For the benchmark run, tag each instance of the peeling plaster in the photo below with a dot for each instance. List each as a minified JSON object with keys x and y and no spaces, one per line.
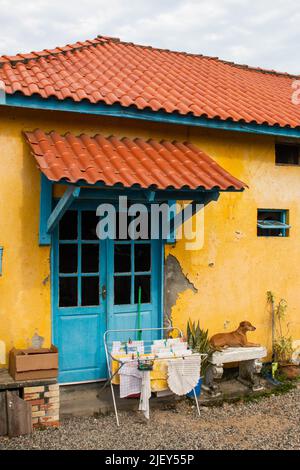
{"x":175,"y":283}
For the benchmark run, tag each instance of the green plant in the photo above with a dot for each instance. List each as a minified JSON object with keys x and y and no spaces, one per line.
{"x":283,"y":349}
{"x":198,"y":341}
{"x":282,"y":344}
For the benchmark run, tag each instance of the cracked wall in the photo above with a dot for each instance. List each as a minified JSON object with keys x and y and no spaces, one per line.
{"x":175,"y":283}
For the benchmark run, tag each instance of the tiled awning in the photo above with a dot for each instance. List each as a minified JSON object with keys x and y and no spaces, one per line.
{"x":127,"y":162}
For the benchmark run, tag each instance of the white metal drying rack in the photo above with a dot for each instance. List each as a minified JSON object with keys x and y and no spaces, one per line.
{"x":110,"y":358}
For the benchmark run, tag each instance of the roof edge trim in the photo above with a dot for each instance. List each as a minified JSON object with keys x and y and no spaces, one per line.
{"x":116,"y":110}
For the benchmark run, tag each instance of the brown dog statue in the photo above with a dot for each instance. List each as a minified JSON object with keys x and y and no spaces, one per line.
{"x":234,"y":339}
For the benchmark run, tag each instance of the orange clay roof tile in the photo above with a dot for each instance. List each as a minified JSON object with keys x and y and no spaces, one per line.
{"x":126,"y":161}
{"x":110,"y":71}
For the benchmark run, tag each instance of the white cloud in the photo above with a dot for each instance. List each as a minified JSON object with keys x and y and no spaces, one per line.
{"x":262,"y":33}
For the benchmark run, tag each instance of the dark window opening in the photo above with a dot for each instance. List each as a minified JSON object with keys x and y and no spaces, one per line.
{"x":68,"y":258}
{"x":89,"y":222}
{"x":122,"y":290}
{"x":142,"y":257}
{"x":287,"y":154}
{"x":143,"y":282}
{"x":272,"y":223}
{"x":122,"y":260}
{"x":90,"y":258}
{"x":67,"y":291}
{"x":122,"y":218}
{"x":68,"y":226}
{"x":133,"y":230}
{"x":90,"y":291}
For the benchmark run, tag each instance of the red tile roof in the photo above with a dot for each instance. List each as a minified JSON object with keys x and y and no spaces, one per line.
{"x":110,"y":71}
{"x":128,"y":162}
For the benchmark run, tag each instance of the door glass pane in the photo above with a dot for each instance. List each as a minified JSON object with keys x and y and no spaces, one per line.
{"x":122,"y":258}
{"x":145,"y":283}
{"x":90,"y":291}
{"x":140,"y":228}
{"x":90,"y":258}
{"x":67,"y":291}
{"x":89,"y":222}
{"x":142,"y":257}
{"x":68,"y":226}
{"x":68,"y":258}
{"x":122,"y":290}
{"x":122,"y":235}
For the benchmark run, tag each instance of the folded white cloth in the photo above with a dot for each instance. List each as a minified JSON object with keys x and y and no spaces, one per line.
{"x":183,"y":374}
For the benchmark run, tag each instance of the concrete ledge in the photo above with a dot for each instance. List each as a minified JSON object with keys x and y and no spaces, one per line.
{"x":8,"y":383}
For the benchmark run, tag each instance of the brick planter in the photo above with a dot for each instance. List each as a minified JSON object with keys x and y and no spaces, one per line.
{"x":44,"y":401}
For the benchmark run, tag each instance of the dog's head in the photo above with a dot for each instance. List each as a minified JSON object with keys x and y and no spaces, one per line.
{"x":246,"y":326}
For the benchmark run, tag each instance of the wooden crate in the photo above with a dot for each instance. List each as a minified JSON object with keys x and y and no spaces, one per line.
{"x":28,"y":364}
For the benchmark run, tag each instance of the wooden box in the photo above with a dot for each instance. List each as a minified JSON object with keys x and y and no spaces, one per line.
{"x":28,"y":364}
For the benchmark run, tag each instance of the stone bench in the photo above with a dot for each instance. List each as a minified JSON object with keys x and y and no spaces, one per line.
{"x":250,"y":365}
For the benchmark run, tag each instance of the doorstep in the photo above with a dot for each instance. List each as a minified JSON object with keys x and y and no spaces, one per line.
{"x":89,"y":400}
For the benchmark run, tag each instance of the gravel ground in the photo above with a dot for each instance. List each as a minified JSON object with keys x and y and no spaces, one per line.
{"x":270,"y":423}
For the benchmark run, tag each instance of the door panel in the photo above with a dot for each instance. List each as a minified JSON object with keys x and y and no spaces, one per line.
{"x":79,"y":310}
{"x":133,"y":264}
{"x":79,"y":343}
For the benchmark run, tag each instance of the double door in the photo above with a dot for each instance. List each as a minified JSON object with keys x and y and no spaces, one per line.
{"x":95,"y":287}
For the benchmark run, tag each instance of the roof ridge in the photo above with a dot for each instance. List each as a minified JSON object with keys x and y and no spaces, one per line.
{"x":204,"y":56}
{"x":44,"y":53}
{"x":79,"y":45}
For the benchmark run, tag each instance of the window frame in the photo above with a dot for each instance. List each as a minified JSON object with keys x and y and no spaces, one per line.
{"x":79,"y":275}
{"x":287,"y":144}
{"x":284,"y":221}
{"x":133,"y":274}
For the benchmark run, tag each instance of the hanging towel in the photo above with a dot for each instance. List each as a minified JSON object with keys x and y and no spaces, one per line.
{"x":183,"y":374}
{"x":130,"y":379}
{"x":145,"y":394}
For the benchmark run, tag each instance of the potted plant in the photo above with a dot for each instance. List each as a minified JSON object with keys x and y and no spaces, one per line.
{"x":198,"y":342}
{"x":282,"y":343}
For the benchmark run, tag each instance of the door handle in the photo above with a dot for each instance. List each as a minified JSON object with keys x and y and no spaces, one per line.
{"x":104,"y":292}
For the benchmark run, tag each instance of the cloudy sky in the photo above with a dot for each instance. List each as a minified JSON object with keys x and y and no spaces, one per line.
{"x":263,"y":33}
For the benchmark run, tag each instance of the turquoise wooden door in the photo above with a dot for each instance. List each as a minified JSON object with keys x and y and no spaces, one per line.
{"x":79,"y":308}
{"x":95,"y":287}
{"x":133,"y":265}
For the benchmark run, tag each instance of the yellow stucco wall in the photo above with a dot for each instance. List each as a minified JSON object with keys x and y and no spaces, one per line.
{"x":235,"y":268}
{"x":231,"y":273}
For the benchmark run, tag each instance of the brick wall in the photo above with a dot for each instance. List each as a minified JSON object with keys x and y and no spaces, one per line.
{"x":44,"y":401}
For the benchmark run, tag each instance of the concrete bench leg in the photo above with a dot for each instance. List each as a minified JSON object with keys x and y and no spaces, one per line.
{"x":248,"y":371}
{"x":213,"y":372}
